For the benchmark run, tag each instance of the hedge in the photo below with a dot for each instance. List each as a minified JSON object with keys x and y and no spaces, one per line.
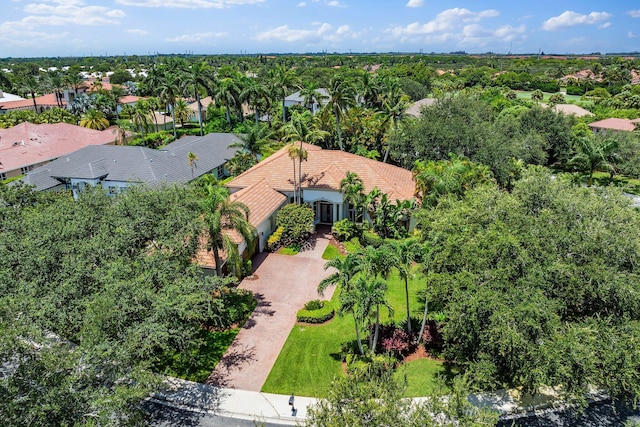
{"x":320,"y":315}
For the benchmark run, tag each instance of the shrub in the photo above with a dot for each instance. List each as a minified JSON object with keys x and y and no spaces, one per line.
{"x":296,"y":222}
{"x":394,"y":340}
{"x":432,"y":337}
{"x":370,"y":238}
{"x":345,"y":229}
{"x":274,"y":241}
{"x":316,"y":316}
{"x":315,"y":304}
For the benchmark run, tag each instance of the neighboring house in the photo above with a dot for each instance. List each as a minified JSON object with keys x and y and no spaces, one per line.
{"x":321,"y":176}
{"x":26,"y":146}
{"x":9,"y":97}
{"x":204,"y":103}
{"x":614,"y":125}
{"x":572,"y":109}
{"x":118,"y":167}
{"x":297,"y":99}
{"x":415,"y":109}
{"x":43,"y":103}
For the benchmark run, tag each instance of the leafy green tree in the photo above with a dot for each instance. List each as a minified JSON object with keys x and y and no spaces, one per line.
{"x":372,"y":397}
{"x":594,"y":154}
{"x":537,"y":95}
{"x":296,"y":222}
{"x":256,"y":141}
{"x":284,"y":79}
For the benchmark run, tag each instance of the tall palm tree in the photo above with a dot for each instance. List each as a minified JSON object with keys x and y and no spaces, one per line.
{"x":341,"y":96}
{"x":168,"y":89}
{"x":405,"y":253}
{"x":154,"y":104}
{"x":254,"y":93}
{"x":284,"y":79}
{"x":394,"y":107}
{"x":195,"y":78}
{"x":29,"y":85}
{"x":302,"y":128}
{"x":296,"y":154}
{"x":227,"y":94}
{"x":73,"y":81}
{"x":223,"y":216}
{"x":94,"y":119}
{"x":365,"y":299}
{"x":140,"y":117}
{"x":255,"y":141}
{"x":352,"y":189}
{"x":181,"y":111}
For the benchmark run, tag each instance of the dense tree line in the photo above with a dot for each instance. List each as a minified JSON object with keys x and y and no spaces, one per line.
{"x":94,"y":294}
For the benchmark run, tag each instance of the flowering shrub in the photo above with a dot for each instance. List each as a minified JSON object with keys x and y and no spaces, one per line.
{"x":394,"y":340}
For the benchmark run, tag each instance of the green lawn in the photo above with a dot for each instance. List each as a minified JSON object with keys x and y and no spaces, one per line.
{"x":527,"y":95}
{"x":310,"y":358}
{"x":424,"y":376}
{"x":630,"y":185}
{"x":330,"y":252}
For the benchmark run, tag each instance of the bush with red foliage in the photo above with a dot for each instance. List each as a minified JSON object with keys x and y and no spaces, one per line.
{"x":394,"y":340}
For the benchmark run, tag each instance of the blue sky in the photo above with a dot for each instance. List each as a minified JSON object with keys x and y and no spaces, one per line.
{"x":31,"y":28}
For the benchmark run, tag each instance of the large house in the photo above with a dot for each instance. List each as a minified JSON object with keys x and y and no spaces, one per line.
{"x":321,"y":175}
{"x":614,"y":125}
{"x":38,"y":104}
{"x":297,"y":99}
{"x":118,"y":167}
{"x":27,"y":146}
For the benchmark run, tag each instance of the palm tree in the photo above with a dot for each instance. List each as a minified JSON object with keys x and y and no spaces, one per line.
{"x":121,"y":133}
{"x":405,"y":253}
{"x":346,"y":269}
{"x":258,"y":138}
{"x":140,"y":117}
{"x":284,"y":79}
{"x":298,"y":154}
{"x":394,"y":107}
{"x":311,"y":96}
{"x":227,"y":94}
{"x":365,"y":299}
{"x":192,"y":158}
{"x":594,"y":155}
{"x":154,"y":104}
{"x":73,"y":81}
{"x":94,"y":119}
{"x":352,"y":189}
{"x":302,"y":128}
{"x":181,"y":111}
{"x":223,"y":216}
{"x":198,"y":76}
{"x":168,"y":87}
{"x":341,"y":96}
{"x":537,"y":95}
{"x":29,"y":85}
{"x":254,"y":93}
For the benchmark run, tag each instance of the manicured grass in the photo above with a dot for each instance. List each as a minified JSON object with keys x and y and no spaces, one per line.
{"x":425,"y":376}
{"x":310,"y":358}
{"x":199,"y":363}
{"x":330,"y":252}
{"x":527,"y":95}
{"x":630,"y":185}
{"x":289,"y":250}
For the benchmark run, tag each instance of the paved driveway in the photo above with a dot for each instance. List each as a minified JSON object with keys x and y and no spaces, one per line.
{"x":283,"y":285}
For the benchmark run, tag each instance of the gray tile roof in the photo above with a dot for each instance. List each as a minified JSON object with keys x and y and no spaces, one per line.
{"x":296,"y":97}
{"x":138,"y":164}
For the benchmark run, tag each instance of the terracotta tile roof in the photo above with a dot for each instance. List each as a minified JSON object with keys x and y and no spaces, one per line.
{"x":48,"y":100}
{"x":129,"y":99}
{"x":324,"y":169}
{"x":261,"y":200}
{"x":27,"y":143}
{"x":615,"y":124}
{"x":572,"y":109}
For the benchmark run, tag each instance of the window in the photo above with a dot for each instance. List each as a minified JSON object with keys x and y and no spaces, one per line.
{"x":220,"y":171}
{"x":2,"y":176}
{"x":113,"y":190}
{"x":25,"y":169}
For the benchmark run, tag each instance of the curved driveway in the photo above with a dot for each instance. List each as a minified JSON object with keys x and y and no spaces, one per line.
{"x":284,"y":283}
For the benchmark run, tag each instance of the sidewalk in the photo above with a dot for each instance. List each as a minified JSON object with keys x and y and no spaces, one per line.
{"x":275,"y":409}
{"x":232,"y":403}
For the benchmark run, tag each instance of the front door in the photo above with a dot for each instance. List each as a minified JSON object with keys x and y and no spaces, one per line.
{"x":326,"y":213}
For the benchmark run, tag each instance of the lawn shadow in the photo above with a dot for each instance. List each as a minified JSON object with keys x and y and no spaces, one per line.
{"x":233,"y":359}
{"x":262,"y":307}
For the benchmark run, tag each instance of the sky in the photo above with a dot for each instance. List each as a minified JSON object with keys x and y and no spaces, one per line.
{"x":34,"y":28}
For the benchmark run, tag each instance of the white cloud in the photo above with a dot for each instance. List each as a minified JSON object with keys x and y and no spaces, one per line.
{"x":447,"y":20}
{"x":415,"y":3}
{"x":334,"y":3}
{"x":188,"y":4}
{"x":194,"y":38}
{"x":323,"y":32}
{"x":569,"y":19}
{"x":302,"y":4}
{"x":605,"y":25}
{"x":138,"y":31}
{"x":476,"y":35}
{"x":634,"y":13}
